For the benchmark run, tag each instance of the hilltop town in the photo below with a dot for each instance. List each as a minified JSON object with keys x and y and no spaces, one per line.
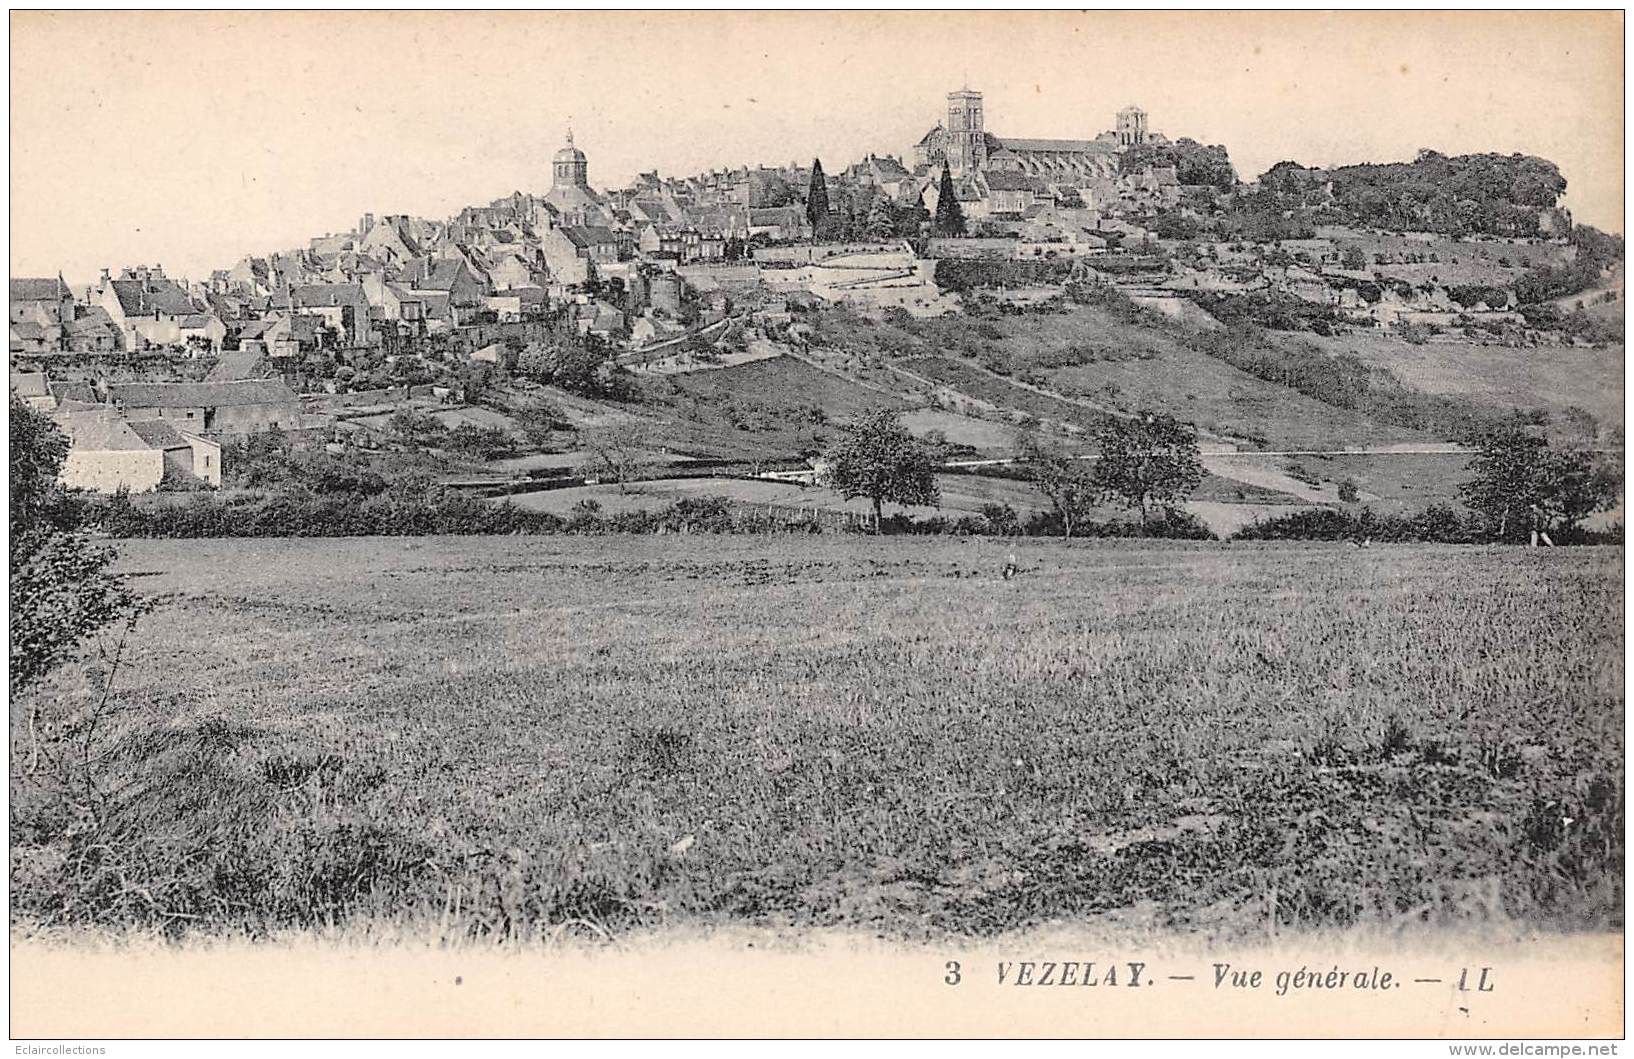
{"x":977,"y":282}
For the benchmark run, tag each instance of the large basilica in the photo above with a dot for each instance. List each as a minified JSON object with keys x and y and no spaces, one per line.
{"x":970,"y":151}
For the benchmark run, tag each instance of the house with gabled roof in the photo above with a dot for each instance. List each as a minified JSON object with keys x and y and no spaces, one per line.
{"x":105,"y":455}
{"x":390,"y":239}
{"x":47,"y":299}
{"x":343,"y":308}
{"x":92,"y":331}
{"x":46,"y":304}
{"x":184,"y":453}
{"x":568,"y":254}
{"x":600,"y":319}
{"x":212,"y":408}
{"x":32,"y":338}
{"x":33,"y":389}
{"x":518,"y":303}
{"x":512,"y":270}
{"x":1011,"y":191}
{"x":780,"y":223}
{"x":250,"y":275}
{"x":451,"y":276}
{"x":391,"y":302}
{"x":239,"y":364}
{"x":150,"y":309}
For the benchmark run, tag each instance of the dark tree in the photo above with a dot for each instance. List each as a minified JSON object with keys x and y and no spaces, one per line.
{"x":817,"y":201}
{"x":877,"y":458}
{"x":61,"y":590}
{"x":1150,"y":459}
{"x":476,"y":379}
{"x":539,"y":420}
{"x":880,"y":222}
{"x":1510,"y":475}
{"x":1580,"y":484}
{"x":1067,"y":483}
{"x":1515,"y":470}
{"x":950,"y":219}
{"x":621,"y":451}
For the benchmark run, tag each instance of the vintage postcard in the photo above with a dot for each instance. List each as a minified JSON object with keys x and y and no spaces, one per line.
{"x":817,"y":524}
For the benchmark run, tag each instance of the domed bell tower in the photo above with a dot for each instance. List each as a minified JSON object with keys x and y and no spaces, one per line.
{"x":570,"y":169}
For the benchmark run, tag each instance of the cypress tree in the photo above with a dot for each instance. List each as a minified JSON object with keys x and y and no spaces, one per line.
{"x":950,"y":219}
{"x":817,"y":200}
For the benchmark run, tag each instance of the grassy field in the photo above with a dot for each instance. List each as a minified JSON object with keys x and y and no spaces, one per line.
{"x":783,"y":384}
{"x":1552,"y":378}
{"x":498,"y":737}
{"x":1459,"y":261}
{"x":1225,"y":504}
{"x":961,"y":495}
{"x":1087,"y":352}
{"x":1217,"y":397}
{"x":1398,"y":483}
{"x":983,"y":435}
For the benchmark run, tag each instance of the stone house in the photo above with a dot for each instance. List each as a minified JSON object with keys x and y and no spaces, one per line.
{"x":518,"y":303}
{"x":449,"y":276}
{"x":148,"y":308}
{"x":47,"y":306}
{"x":33,"y":389}
{"x":105,"y":454}
{"x":343,"y":308}
{"x":250,"y":406}
{"x":186,"y":453}
{"x":93,"y":331}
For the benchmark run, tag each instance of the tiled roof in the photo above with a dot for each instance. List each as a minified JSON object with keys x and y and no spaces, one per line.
{"x":201,"y":394}
{"x":159,"y":434}
{"x":1069,"y":146}
{"x":97,"y":319}
{"x":76,"y":391}
{"x":236,"y":365}
{"x":584,"y":235}
{"x":777,"y":215}
{"x":99,"y":431}
{"x":435,"y":274}
{"x":141,"y":298}
{"x":307,"y":295}
{"x":250,"y":329}
{"x":38,"y":290}
{"x":1005,"y":180}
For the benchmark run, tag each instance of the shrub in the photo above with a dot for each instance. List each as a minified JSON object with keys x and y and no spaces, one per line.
{"x":1436,"y":524}
{"x":62,"y":591}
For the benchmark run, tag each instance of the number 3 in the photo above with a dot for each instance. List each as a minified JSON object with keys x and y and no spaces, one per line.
{"x":952,"y":976}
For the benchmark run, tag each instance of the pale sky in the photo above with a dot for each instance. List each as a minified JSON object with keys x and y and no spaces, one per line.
{"x":191,"y":139}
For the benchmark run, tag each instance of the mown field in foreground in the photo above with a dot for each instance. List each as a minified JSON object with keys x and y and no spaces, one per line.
{"x":500,"y":737}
